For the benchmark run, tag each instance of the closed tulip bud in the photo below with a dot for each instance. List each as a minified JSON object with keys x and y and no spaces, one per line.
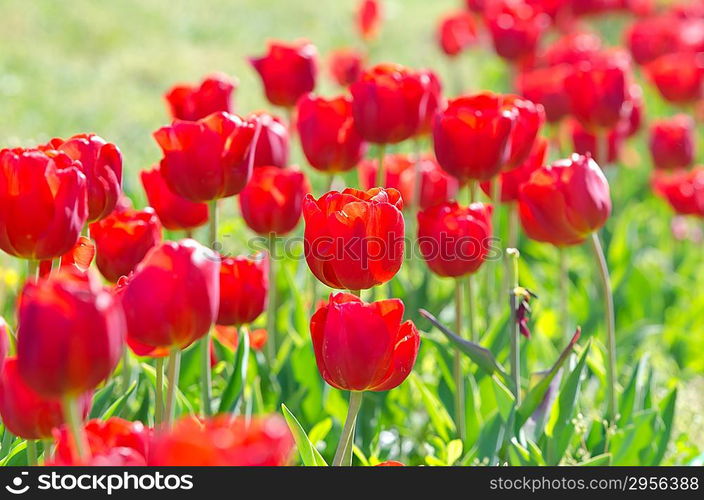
{"x":546,"y":86}
{"x":363,"y":346}
{"x":678,"y":76}
{"x":672,"y":142}
{"x":272,"y":201}
{"x":70,"y":335}
{"x":683,"y":190}
{"x":572,"y":49}
{"x":472,"y":135}
{"x":515,"y":28}
{"x":206,"y":160}
{"x":346,"y":66}
{"x":328,"y":136}
{"x":193,"y":102}
{"x":43,"y":206}
{"x":529,"y":118}
{"x":512,"y":180}
{"x":287,"y":71}
{"x":649,"y":38}
{"x":123,"y":239}
{"x":224,"y":440}
{"x":354,"y":239}
{"x":272,"y":147}
{"x":565,"y":202}
{"x":172,"y":298}
{"x":26,"y":413}
{"x":174,"y":211}
{"x":635,"y":117}
{"x":368,"y":19}
{"x":454,"y":240}
{"x":244,"y":285}
{"x":456,"y":32}
{"x":585,"y":141}
{"x":79,"y":257}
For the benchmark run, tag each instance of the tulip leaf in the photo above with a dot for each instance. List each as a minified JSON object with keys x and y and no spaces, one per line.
{"x":310,"y":455}
{"x":597,"y":461}
{"x":667,"y":415}
{"x":101,"y":399}
{"x":632,"y":393}
{"x":117,"y":405}
{"x":439,"y":418}
{"x":505,"y":400}
{"x":238,"y":378}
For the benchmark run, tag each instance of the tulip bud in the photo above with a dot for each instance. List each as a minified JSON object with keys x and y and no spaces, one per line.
{"x":649,"y":38}
{"x":572,"y":49}
{"x":456,"y":32}
{"x":368,"y":19}
{"x":515,"y":28}
{"x":346,"y":66}
{"x":175,"y":212}
{"x":672,"y":142}
{"x":272,"y":147}
{"x":679,"y":76}
{"x":585,"y":141}
{"x":512,"y":180}
{"x":684,"y":191}
{"x":546,"y":86}
{"x":529,"y":118}
{"x":244,"y":284}
{"x":194,"y":102}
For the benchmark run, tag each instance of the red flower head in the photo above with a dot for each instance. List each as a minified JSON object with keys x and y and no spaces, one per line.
{"x":649,"y":38}
{"x":391,"y":103}
{"x":363,"y":346}
{"x":476,"y":6}
{"x":472,"y":136}
{"x":25,"y":412}
{"x":329,"y":138}
{"x":206,"y":160}
{"x":224,"y":440}
{"x":229,"y":336}
{"x":244,"y":284}
{"x":400,"y":171}
{"x":530,"y":117}
{"x":175,"y":212}
{"x":70,"y":335}
{"x":546,"y":86}
{"x":584,"y":141}
{"x":390,"y":463}
{"x":346,"y":66}
{"x":172,"y":298}
{"x":354,"y":239}
{"x":516,"y":28}
{"x":287,"y":71}
{"x":123,"y":239}
{"x":512,"y":180}
{"x":368,"y":19}
{"x":43,"y":205}
{"x":454,"y":240}
{"x":193,"y":102}
{"x":635,"y":117}
{"x":272,"y":144}
{"x":456,"y":32}
{"x":100,"y":162}
{"x":672,"y":142}
{"x":683,"y":190}
{"x":565,"y":202}
{"x":678,"y":76}
{"x":80,"y":257}
{"x":273,"y":199}
{"x":572,"y":48}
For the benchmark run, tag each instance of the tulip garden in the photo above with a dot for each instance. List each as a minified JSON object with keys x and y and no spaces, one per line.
{"x":352,"y":233}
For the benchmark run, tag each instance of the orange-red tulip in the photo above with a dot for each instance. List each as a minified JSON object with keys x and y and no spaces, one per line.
{"x":368,"y":18}
{"x":175,"y":212}
{"x":80,"y":257}
{"x":683,"y":190}
{"x":672,"y":142}
{"x":193,"y":102}
{"x":678,"y":76}
{"x":244,"y":285}
{"x":546,"y":86}
{"x":456,"y":32}
{"x":512,"y":180}
{"x":346,"y":65}
{"x":515,"y":28}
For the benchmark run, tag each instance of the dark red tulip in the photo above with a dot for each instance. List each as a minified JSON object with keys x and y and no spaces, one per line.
{"x":43,"y":205}
{"x":472,"y":135}
{"x":272,"y":144}
{"x":80,"y":257}
{"x":363,"y":346}
{"x":172,"y":298}
{"x":672,"y":142}
{"x":193,"y":102}
{"x":565,"y":202}
{"x":288,"y":70}
{"x":346,"y":65}
{"x":25,"y":412}
{"x":511,"y":180}
{"x":546,"y":86}
{"x":649,"y":38}
{"x":572,"y":48}
{"x":456,"y":32}
{"x":476,"y":6}
{"x":400,"y":173}
{"x":328,"y":136}
{"x":175,"y":212}
{"x":224,"y":440}
{"x":273,"y":200}
{"x":585,"y":141}
{"x":354,"y":239}
{"x":515,"y":28}
{"x":635,"y":117}
{"x":678,"y":76}
{"x":368,"y":19}
{"x":244,"y":285}
{"x":70,"y":335}
{"x":683,"y":190}
{"x":123,"y":239}
{"x":206,"y":160}
{"x":529,"y":118}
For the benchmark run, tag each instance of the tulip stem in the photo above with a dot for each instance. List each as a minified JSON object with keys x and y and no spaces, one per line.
{"x":471,"y":309}
{"x":73,"y":420}
{"x":609,"y":317}
{"x":206,"y":378}
{"x":31,"y":452}
{"x":32,"y":269}
{"x":343,"y":454}
{"x":513,"y":223}
{"x":512,"y":255}
{"x":159,"y":411}
{"x":172,"y":375}
{"x":459,"y":379}
{"x":380,"y":177}
{"x":271,"y":306}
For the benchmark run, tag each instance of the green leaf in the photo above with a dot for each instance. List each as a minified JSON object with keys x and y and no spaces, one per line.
{"x":320,"y":431}
{"x":597,"y":461}
{"x":490,"y":439}
{"x":454,"y":451}
{"x":310,"y":455}
{"x":238,"y":377}
{"x":631,"y":444}
{"x":505,"y":399}
{"x":472,"y":411}
{"x":632,"y":392}
{"x":101,"y":400}
{"x":667,"y":415}
{"x":117,"y":405}
{"x":439,"y":418}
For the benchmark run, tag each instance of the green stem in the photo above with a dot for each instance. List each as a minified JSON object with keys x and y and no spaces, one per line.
{"x":206,"y":378}
{"x":172,"y":375}
{"x":159,"y":411}
{"x":513,"y":224}
{"x":380,"y":177}
{"x":31,"y":452}
{"x":471,"y":308}
{"x":271,"y":306}
{"x":515,"y":352}
{"x":126,"y":371}
{"x":73,"y":420}
{"x":358,"y":293}
{"x":459,"y":378}
{"x":609,"y":318}
{"x":343,"y":454}
{"x":564,"y":292}
{"x":32,"y":269}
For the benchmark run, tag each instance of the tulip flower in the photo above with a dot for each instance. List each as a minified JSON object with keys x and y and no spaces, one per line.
{"x":224,"y":440}
{"x":229,"y":336}
{"x":683,"y":190}
{"x":244,"y":284}
{"x":175,"y":212}
{"x":472,"y":136}
{"x":649,"y":38}
{"x":287,"y":71}
{"x":354,"y":239}
{"x":515,"y":28}
{"x":123,"y":239}
{"x":80,"y":257}
{"x":43,"y":205}
{"x":194,"y":102}
{"x":206,"y":160}
{"x":672,"y":142}
{"x":329,"y":139}
{"x":368,"y":19}
{"x":346,"y":66}
{"x":512,"y":180}
{"x":476,"y":6}
{"x":456,"y":32}
{"x":584,"y":141}
{"x":529,"y":118}
{"x":545,"y":86}
{"x":635,"y":117}
{"x":272,"y":201}
{"x":390,"y":463}
{"x":678,"y":76}
{"x":271,"y":148}
{"x":572,"y":49}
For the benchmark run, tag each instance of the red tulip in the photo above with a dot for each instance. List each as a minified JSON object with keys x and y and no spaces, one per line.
{"x":647,"y":39}
{"x":683,"y":190}
{"x":43,"y":205}
{"x":512,"y":180}
{"x":70,"y":335}
{"x":272,"y":201}
{"x":206,"y":160}
{"x":454,"y":240}
{"x":572,"y":49}
{"x":175,"y":212}
{"x":400,"y":173}
{"x":565,"y":202}
{"x":363,"y":346}
{"x":368,"y":18}
{"x":224,"y":440}
{"x":272,"y":147}
{"x":529,"y":118}
{"x":80,"y":257}
{"x":672,"y":142}
{"x":456,"y":32}
{"x":678,"y":76}
{"x":172,"y":298}
{"x":472,"y":136}
{"x":25,"y":412}
{"x":635,"y":117}
{"x":354,"y":239}
{"x":515,"y":28}
{"x":244,"y":284}
{"x":584,"y":141}
{"x":546,"y":86}
{"x":329,"y":139}
{"x":193,"y":102}
{"x":390,"y":463}
{"x":287,"y":71}
{"x":476,"y":6}
{"x":346,"y":66}
{"x":123,"y":239}
{"x":228,"y":336}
